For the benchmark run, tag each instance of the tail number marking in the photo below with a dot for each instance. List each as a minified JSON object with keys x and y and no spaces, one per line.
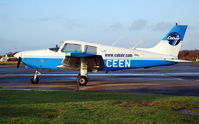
{"x":118,"y":63}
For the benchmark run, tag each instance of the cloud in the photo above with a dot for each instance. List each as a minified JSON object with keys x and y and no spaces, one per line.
{"x":51,"y":18}
{"x":44,"y":19}
{"x":65,"y":22}
{"x":4,"y":17}
{"x":2,"y":3}
{"x":193,"y":27}
{"x":72,"y":24}
{"x":116,"y":26}
{"x":9,"y":45}
{"x":138,"y":25}
{"x":162,"y":26}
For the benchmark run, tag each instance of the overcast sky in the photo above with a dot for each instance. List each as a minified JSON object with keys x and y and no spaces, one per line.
{"x":38,"y":24}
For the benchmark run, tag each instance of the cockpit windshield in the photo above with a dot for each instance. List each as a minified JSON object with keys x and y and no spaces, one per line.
{"x":56,"y":48}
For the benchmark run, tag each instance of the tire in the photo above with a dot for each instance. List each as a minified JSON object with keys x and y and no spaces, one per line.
{"x":82,"y":80}
{"x":36,"y":81}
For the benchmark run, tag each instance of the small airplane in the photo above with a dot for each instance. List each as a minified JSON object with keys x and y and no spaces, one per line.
{"x":89,"y":57}
{"x":6,"y":58}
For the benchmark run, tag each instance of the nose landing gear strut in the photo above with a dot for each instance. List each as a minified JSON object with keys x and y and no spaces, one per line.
{"x":35,"y":78}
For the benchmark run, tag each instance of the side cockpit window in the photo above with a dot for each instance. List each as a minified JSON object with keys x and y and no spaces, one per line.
{"x":90,"y":49}
{"x":71,"y":48}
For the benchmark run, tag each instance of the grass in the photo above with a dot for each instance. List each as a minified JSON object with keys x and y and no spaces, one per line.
{"x":90,"y":108}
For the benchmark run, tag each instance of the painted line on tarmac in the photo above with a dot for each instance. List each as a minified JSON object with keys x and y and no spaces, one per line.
{"x":108,"y":75}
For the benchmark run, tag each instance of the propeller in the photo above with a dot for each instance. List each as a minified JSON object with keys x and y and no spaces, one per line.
{"x":19,"y":61}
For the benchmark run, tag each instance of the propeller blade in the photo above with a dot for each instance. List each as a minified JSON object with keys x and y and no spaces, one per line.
{"x":19,"y":61}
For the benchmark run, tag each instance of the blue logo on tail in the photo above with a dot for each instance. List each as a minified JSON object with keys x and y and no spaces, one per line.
{"x":174,"y":38}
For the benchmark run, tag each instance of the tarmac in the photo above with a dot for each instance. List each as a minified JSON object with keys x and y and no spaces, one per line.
{"x":181,"y":79}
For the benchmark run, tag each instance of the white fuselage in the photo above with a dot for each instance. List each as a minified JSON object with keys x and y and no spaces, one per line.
{"x":115,"y":58}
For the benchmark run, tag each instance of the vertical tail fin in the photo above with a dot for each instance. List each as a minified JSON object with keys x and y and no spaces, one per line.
{"x":175,"y":35}
{"x":171,"y":43}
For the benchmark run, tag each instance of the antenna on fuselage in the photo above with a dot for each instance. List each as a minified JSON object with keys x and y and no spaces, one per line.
{"x":116,"y":41}
{"x":136,"y":44}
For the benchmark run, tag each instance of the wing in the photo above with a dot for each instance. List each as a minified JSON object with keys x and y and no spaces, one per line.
{"x":73,"y":61}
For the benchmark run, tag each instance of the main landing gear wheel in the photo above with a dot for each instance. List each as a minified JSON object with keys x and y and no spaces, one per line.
{"x":35,"y":80}
{"x":82,"y":80}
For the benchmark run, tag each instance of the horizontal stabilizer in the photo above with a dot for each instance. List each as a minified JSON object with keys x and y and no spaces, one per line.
{"x":180,"y":61}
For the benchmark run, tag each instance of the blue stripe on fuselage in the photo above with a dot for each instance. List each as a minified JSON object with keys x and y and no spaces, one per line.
{"x":109,"y":64}
{"x":132,"y":64}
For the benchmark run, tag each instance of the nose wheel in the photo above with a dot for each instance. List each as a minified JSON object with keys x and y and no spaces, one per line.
{"x":35,"y":78}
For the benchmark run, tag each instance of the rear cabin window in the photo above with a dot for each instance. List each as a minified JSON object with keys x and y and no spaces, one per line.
{"x":71,"y":48}
{"x":90,"y":49}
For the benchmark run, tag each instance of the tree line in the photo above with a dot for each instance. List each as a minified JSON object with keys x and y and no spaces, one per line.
{"x":189,"y":54}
